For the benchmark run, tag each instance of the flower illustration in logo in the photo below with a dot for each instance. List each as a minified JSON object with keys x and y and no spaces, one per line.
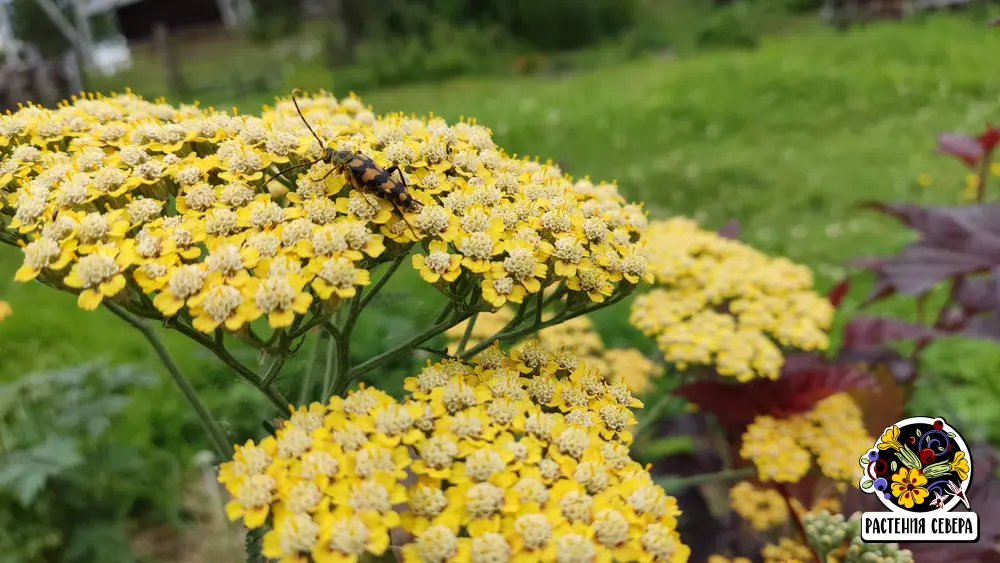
{"x":918,"y":465}
{"x":908,"y":487}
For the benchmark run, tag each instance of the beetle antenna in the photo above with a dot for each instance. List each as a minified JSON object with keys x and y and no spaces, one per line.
{"x":304,"y":120}
{"x":403,"y":217}
{"x":290,"y":168}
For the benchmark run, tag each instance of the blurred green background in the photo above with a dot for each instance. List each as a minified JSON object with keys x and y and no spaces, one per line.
{"x":754,"y":110}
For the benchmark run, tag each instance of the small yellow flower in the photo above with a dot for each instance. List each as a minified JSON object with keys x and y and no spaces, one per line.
{"x":338,"y":276}
{"x":346,"y":537}
{"x":908,"y":487}
{"x":438,"y":264}
{"x":890,"y":439}
{"x":498,"y":291}
{"x":218,"y":305}
{"x":959,"y":464}
{"x":99,"y":275}
{"x":5,"y":310}
{"x":280,"y":298}
{"x":763,"y":508}
{"x":253,"y":500}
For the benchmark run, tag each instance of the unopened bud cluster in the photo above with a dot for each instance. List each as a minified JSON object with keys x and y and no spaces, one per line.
{"x":861,"y":552}
{"x":826,"y":531}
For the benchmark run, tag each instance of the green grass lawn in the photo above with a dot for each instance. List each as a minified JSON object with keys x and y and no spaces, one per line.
{"x":788,"y":139}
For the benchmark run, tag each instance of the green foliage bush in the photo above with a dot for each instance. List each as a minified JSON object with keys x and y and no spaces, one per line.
{"x":275,"y":19}
{"x":444,"y":51}
{"x":65,"y":488}
{"x":732,"y":26}
{"x":555,"y":25}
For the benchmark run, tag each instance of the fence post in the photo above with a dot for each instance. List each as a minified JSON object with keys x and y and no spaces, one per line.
{"x":171,"y":64}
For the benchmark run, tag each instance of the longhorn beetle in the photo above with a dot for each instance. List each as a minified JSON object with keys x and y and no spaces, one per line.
{"x":361,"y":172}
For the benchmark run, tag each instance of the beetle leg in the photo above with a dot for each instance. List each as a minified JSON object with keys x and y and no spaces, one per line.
{"x":394,"y":168}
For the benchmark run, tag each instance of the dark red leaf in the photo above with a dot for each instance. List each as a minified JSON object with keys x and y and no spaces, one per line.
{"x":802,"y":384}
{"x":881,"y":406}
{"x":730,"y":230}
{"x":931,"y":222}
{"x":986,"y":327}
{"x":954,"y":241}
{"x":867,"y":332}
{"x":995,"y":22}
{"x":965,"y":148}
{"x":980,"y":294}
{"x":988,"y":139}
{"x":919,"y":268}
{"x":899,"y":366}
{"x":839,"y":291}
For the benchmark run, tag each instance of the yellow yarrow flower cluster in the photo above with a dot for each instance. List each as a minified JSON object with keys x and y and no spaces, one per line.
{"x":5,"y":310}
{"x":833,"y":431}
{"x":516,"y":457}
{"x":723,"y":559}
{"x":721,"y":303}
{"x":577,"y":337}
{"x":763,"y":508}
{"x":787,"y":550}
{"x":117,"y":197}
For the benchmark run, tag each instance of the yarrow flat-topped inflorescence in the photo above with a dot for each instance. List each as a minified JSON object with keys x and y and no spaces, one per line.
{"x":782,"y":448}
{"x":507,"y":458}
{"x":723,"y":304}
{"x":119,"y":198}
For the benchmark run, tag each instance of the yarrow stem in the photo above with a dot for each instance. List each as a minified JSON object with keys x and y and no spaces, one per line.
{"x":330,"y":371}
{"x":465,"y":336}
{"x":799,"y":526}
{"x":218,"y":437}
{"x":273,"y":370}
{"x":676,"y":484}
{"x":393,"y":266}
{"x":409,"y":345}
{"x":652,"y":414}
{"x":512,"y":332}
{"x":314,"y":357}
{"x":218,"y":347}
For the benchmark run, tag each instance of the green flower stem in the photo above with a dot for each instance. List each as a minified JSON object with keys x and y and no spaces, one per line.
{"x":222,"y":446}
{"x":511,"y":332}
{"x":799,"y":526}
{"x":652,"y":414}
{"x":556,"y":295}
{"x":466,"y":335}
{"x":342,"y":379}
{"x":389,"y":355}
{"x":217,"y":346}
{"x":539,"y":306}
{"x":273,"y":370}
{"x":314,"y":356}
{"x":445,"y":312}
{"x":315,"y":321}
{"x":331,"y":372}
{"x":393,"y":266}
{"x":219,"y":349}
{"x":677,"y":484}
{"x":522,"y":309}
